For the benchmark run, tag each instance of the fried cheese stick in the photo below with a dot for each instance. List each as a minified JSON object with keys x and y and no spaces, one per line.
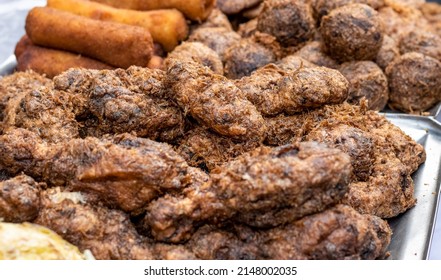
{"x":52,"y":62}
{"x":117,"y":44}
{"x":167,"y":27}
{"x":193,"y":9}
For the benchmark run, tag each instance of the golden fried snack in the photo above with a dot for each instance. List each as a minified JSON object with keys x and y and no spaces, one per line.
{"x":193,"y":9}
{"x":117,"y":44}
{"x":388,"y":52}
{"x":231,"y":7}
{"x":422,"y":41}
{"x":22,"y":45}
{"x":167,"y":27}
{"x":313,"y":52}
{"x":52,"y":62}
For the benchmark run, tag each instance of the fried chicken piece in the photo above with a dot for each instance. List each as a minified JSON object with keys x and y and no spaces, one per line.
{"x":266,"y":187}
{"x":388,"y":52}
{"x":366,"y":80}
{"x":121,"y":101}
{"x":218,"y":39}
{"x":352,"y":32}
{"x":124,"y":171}
{"x":339,"y":232}
{"x":358,"y":144}
{"x":312,"y":52}
{"x":246,"y":56}
{"x":108,"y":234}
{"x":204,"y":149}
{"x":421,"y":41}
{"x":387,"y":193}
{"x":274,"y":91}
{"x":414,"y":82}
{"x":291,"y":22}
{"x":199,"y":53}
{"x":15,"y":86}
{"x":214,"y":101}
{"x":19,"y":199}
{"x":231,"y":7}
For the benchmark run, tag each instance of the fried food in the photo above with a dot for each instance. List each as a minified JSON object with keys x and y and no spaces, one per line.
{"x":218,"y":39}
{"x":266,"y":187}
{"x":231,"y":7}
{"x":22,"y":45}
{"x":339,"y":232}
{"x":216,"y":19}
{"x":197,"y":10}
{"x":120,"y":101}
{"x":117,"y":44}
{"x":199,"y":53}
{"x":33,"y":242}
{"x":414,"y":82}
{"x":366,"y":80}
{"x":293,"y":62}
{"x":207,"y":150}
{"x":244,"y":57}
{"x":421,"y":41}
{"x":291,"y":22}
{"x":108,"y":234}
{"x":214,"y":101}
{"x":313,"y":53}
{"x":167,"y":27}
{"x":388,"y":52}
{"x":52,"y":62}
{"x":352,"y":32}
{"x":274,"y":91}
{"x":124,"y":171}
{"x":19,"y":199}
{"x":323,"y":7}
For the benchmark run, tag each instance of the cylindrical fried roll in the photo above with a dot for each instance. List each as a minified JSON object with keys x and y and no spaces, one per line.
{"x":117,"y":44}
{"x":193,"y":9}
{"x":53,"y":62}
{"x":22,"y":45}
{"x":167,"y":27}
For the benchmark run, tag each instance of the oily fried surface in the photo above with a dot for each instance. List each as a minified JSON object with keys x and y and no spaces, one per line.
{"x":122,"y":101}
{"x":19,"y":199}
{"x":124,"y":171}
{"x":366,"y":80}
{"x":339,"y":232}
{"x":214,"y":101}
{"x":274,"y":91}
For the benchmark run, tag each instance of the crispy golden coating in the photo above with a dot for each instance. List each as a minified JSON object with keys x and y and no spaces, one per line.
{"x":217,"y":38}
{"x":231,"y":7}
{"x":52,"y":62}
{"x":313,"y":52}
{"x":421,"y":41}
{"x":197,"y":10}
{"x":207,"y":150}
{"x":323,"y":7}
{"x":414,"y":82}
{"x":366,"y":80}
{"x":167,"y":27}
{"x":124,"y":171}
{"x":108,"y":234}
{"x":388,"y":52}
{"x":264,"y":188}
{"x":291,"y":22}
{"x":352,"y":32}
{"x":214,"y":101}
{"x":274,"y":91}
{"x":199,"y":53}
{"x":339,"y":232}
{"x":128,"y":45}
{"x":120,"y":101}
{"x":19,"y":199}
{"x":246,"y":56}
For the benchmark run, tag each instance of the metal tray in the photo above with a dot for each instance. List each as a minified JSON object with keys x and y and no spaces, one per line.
{"x":413,"y":231}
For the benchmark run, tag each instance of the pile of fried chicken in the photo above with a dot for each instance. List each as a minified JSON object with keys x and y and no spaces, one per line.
{"x":186,"y":163}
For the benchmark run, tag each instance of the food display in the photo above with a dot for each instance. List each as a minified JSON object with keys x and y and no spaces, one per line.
{"x":214,"y":130}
